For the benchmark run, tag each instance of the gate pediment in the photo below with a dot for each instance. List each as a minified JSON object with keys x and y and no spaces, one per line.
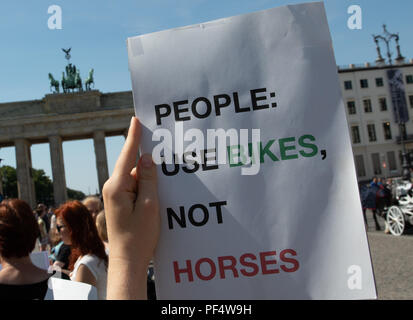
{"x":71,"y":116}
{"x":75,"y":102}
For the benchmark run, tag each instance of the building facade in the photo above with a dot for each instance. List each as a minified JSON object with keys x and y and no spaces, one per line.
{"x":374,"y":132}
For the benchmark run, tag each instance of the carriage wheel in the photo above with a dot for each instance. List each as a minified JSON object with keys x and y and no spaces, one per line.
{"x":395,"y":220}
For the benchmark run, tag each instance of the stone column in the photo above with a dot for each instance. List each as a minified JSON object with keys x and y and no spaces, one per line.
{"x":25,"y":183}
{"x":58,"y":170}
{"x":101,"y":158}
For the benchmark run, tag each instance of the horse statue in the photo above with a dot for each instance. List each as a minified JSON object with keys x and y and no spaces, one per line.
{"x":72,"y":79}
{"x":63,"y":82}
{"x":89,"y":81}
{"x":78,"y":81}
{"x":53,"y":83}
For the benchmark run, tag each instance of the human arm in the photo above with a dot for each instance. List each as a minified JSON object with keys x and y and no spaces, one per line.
{"x":61,"y":258}
{"x":133,"y":221}
{"x":58,"y":266}
{"x":84,"y":275}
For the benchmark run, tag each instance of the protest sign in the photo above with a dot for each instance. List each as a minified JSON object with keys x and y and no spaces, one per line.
{"x":40,"y":259}
{"x":60,"y":289}
{"x":257,"y":184}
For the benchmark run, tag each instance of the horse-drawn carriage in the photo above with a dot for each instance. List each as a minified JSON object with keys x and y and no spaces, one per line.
{"x":394,"y":205}
{"x":399,"y":216}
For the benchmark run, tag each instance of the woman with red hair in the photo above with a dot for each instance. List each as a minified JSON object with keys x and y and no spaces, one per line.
{"x":88,"y":260}
{"x":19,"y":277}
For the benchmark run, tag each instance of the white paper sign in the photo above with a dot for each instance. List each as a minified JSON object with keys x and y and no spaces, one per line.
{"x":40,"y":259}
{"x":289,"y":226}
{"x":60,"y":289}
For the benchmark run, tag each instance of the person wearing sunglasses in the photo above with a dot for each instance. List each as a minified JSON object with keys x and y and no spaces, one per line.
{"x":59,"y":256}
{"x":88,"y":260}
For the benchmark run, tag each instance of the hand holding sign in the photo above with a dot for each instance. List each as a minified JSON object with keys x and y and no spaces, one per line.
{"x":132,"y":219}
{"x":292,"y":226}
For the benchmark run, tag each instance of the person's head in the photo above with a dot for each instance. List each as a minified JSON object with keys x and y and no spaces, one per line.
{"x":41,"y":209}
{"x":18,"y":229}
{"x":78,"y":229}
{"x":374,"y":179}
{"x":101,"y":226}
{"x":93,"y":204}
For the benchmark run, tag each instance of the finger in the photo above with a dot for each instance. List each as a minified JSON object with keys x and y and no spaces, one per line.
{"x":127,"y":158}
{"x":147,"y":181}
{"x":134,"y":173}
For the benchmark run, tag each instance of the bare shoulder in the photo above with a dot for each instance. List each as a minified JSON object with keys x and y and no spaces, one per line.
{"x":83,"y":274}
{"x":22,"y":277}
{"x":5,"y":276}
{"x":40,"y":275}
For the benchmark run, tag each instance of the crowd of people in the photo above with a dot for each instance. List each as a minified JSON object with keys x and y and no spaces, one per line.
{"x":75,"y":236}
{"x":107,"y":243}
{"x":72,"y":234}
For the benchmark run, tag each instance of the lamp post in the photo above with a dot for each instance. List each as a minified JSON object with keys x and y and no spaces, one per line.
{"x":387,"y":37}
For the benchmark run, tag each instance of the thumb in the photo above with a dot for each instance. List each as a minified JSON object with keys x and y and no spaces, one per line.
{"x":147,"y":180}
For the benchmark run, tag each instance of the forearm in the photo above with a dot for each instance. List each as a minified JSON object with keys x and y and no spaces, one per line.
{"x":133,"y":221}
{"x":127,"y":280}
{"x":66,"y":272}
{"x":58,"y":266}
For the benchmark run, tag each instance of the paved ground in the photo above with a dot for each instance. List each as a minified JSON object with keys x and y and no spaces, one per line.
{"x":392,"y":262}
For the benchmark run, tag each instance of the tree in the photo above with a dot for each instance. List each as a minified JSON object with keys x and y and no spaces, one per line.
{"x":43,"y":186}
{"x":9,"y":178}
{"x":75,"y":194}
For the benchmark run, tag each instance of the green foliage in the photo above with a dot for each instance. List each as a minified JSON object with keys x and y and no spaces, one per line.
{"x":75,"y":195}
{"x":43,"y":186}
{"x":9,"y":179}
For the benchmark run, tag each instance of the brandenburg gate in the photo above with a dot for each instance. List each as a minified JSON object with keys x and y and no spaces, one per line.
{"x":61,"y":117}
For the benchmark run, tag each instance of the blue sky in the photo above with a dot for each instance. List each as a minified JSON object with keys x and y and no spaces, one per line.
{"x":97,"y":31}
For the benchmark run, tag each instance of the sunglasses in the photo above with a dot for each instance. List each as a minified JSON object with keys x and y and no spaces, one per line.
{"x":59,"y":227}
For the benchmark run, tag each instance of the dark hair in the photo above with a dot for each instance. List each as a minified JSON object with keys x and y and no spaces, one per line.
{"x":18,"y":229}
{"x":83,"y":233}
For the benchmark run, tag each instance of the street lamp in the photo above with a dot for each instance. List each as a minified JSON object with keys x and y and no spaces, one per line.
{"x":387,"y":37}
